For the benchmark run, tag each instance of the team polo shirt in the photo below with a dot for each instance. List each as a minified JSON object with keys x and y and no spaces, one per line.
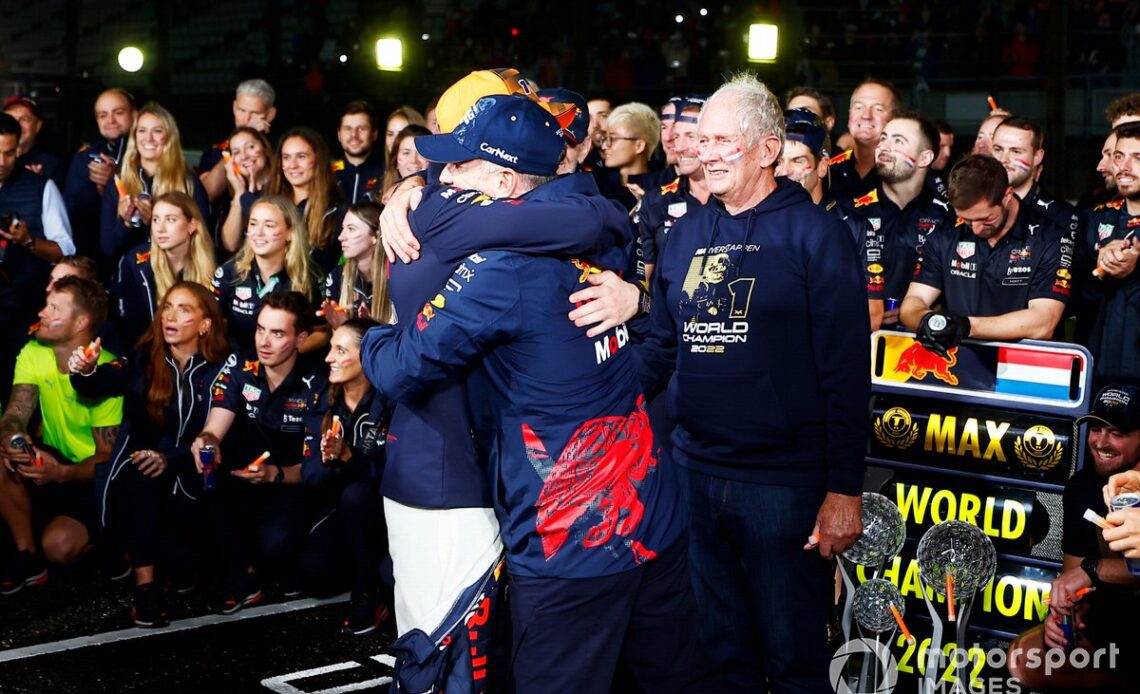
{"x":891,"y":237}
{"x":845,"y":180}
{"x":67,"y":418}
{"x":241,"y":299}
{"x":1032,"y":261}
{"x":267,"y":419}
{"x":660,"y":208}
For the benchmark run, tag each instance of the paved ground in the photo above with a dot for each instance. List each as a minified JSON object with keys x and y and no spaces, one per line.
{"x":73,"y":636}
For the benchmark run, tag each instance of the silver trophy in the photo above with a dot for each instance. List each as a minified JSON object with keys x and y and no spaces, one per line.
{"x":956,"y":559}
{"x":878,"y":607}
{"x":884,"y":532}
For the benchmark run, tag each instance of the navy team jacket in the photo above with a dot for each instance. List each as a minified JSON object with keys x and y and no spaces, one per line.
{"x":570,"y":456}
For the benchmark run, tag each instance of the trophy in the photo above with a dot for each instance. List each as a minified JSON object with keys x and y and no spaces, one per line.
{"x":884,"y":532}
{"x":956,"y":559}
{"x":878,"y":607}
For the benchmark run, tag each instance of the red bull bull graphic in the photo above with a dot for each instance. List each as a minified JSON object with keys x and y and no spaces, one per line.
{"x":1027,"y":373}
{"x":918,"y":361}
{"x":599,"y":472}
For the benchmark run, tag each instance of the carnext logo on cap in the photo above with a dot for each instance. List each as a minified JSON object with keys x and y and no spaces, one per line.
{"x":495,"y":151}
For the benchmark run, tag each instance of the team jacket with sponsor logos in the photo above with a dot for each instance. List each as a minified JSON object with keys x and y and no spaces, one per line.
{"x":1114,"y":336}
{"x":431,"y":456}
{"x":365,"y":434}
{"x":760,"y":319}
{"x":183,"y":417}
{"x":241,"y":299}
{"x":133,"y":294}
{"x":359,"y":183}
{"x":115,"y":237}
{"x":571,"y":459}
{"x":843,"y":178}
{"x":891,"y":238}
{"x":1032,"y":261}
{"x":267,"y":419}
{"x":661,"y":207}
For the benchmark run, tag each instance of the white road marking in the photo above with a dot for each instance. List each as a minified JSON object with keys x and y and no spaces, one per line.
{"x":175,"y":627}
{"x":280,"y":684}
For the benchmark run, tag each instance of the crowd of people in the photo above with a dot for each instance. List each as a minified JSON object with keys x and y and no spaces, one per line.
{"x":611,"y":358}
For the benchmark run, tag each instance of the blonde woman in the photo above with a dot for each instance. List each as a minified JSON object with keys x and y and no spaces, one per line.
{"x":153,"y":164}
{"x":304,"y":174}
{"x":360,"y":288}
{"x":275,"y":257}
{"x":179,"y":250}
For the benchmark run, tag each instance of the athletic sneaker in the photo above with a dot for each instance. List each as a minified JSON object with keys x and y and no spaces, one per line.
{"x":365,"y":615}
{"x":240,"y":591}
{"x":150,"y":606}
{"x":25,"y":569}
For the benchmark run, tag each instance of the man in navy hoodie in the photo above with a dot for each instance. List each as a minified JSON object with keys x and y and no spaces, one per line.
{"x":587,"y":512}
{"x":760,"y":319}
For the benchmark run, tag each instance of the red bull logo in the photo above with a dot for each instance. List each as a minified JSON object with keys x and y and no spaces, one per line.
{"x":253,"y":366}
{"x":671,"y":187}
{"x":141,"y":258}
{"x":918,"y":361}
{"x":867,"y":199}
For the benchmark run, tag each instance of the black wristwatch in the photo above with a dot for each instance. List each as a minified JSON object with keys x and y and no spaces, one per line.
{"x":1088,"y":565}
{"x":280,"y":478}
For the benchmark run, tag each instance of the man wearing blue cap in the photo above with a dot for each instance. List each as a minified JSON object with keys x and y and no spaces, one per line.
{"x":587,"y":514}
{"x":892,"y":220}
{"x":804,"y":157}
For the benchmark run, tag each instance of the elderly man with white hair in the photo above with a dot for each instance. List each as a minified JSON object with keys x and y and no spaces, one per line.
{"x":759,"y":327}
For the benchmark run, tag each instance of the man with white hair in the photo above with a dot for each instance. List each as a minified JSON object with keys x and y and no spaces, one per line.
{"x":759,"y":326}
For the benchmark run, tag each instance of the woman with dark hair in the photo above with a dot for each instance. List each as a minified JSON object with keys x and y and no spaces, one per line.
{"x":404,"y":159}
{"x":344,"y":459}
{"x":304,"y":174}
{"x":250,"y":168}
{"x":147,"y":492}
{"x":360,"y":287}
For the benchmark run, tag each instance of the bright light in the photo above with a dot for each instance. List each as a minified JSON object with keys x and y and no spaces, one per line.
{"x":425,"y":37}
{"x":131,"y":59}
{"x":704,"y":12}
{"x":390,"y":54}
{"x":343,"y":58}
{"x":762,"y":42}
{"x":679,"y":18}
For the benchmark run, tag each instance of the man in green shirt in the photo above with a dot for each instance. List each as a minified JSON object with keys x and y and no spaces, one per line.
{"x":50,"y":487}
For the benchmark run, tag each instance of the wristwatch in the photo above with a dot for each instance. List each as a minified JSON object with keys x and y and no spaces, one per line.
{"x":280,"y":478}
{"x":1088,"y":565}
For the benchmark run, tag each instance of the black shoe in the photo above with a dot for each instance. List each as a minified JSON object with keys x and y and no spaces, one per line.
{"x":150,"y":606}
{"x":241,"y":591}
{"x":25,"y":569}
{"x":365,"y":615}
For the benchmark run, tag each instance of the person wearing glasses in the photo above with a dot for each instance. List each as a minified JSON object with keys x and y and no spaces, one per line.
{"x":631,"y":135}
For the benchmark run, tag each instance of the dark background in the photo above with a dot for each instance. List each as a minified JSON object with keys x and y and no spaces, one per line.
{"x":1060,"y":62}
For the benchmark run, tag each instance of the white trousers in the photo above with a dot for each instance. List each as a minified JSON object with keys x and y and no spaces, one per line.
{"x":436,"y":554}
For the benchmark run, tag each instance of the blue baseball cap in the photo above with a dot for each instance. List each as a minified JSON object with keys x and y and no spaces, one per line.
{"x":1118,"y":406}
{"x":576,"y":131}
{"x":509,"y":130}
{"x":801,"y":125}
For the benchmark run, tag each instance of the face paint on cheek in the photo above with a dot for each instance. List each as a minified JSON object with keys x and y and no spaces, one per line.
{"x":1022,"y":165}
{"x":907,"y":159}
{"x":733,"y":154}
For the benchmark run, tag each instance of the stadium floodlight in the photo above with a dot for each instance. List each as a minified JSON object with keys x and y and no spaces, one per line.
{"x":390,"y":54}
{"x":762,"y":42}
{"x":131,"y":59}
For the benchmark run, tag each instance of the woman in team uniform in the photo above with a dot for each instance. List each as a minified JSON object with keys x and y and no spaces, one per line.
{"x":344,"y":460}
{"x":251,"y":166}
{"x":149,"y":489}
{"x":179,"y":249}
{"x":275,"y":258}
{"x":360,"y":286}
{"x":154,"y":164}
{"x":304,"y":174}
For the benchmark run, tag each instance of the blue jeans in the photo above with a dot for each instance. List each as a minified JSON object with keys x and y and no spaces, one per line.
{"x":763,"y":601}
